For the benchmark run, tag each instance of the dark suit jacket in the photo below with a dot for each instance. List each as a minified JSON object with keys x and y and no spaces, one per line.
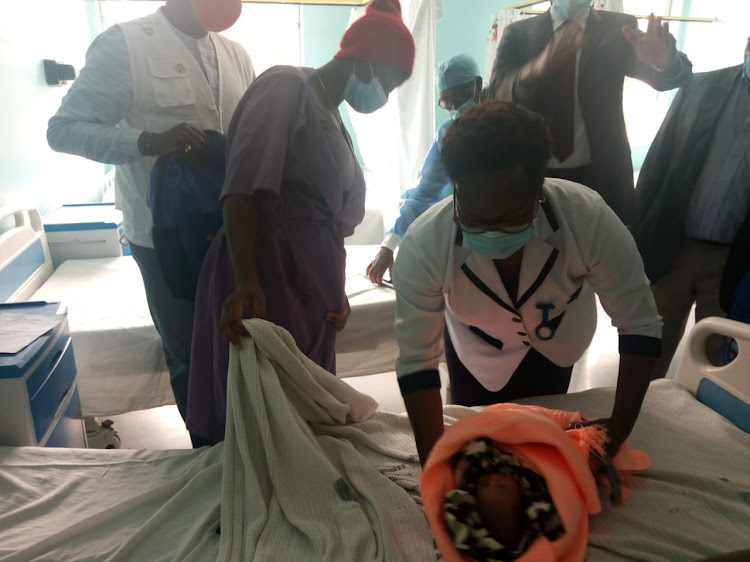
{"x":673,"y":166}
{"x":738,"y":264}
{"x":606,"y":58}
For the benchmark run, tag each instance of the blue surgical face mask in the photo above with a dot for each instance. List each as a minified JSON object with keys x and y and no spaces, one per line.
{"x":464,"y":106}
{"x":498,"y":245}
{"x":365,"y":97}
{"x":567,"y":9}
{"x":746,"y":68}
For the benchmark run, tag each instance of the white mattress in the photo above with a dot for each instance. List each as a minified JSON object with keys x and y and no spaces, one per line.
{"x":118,"y":352}
{"x":368,"y":344}
{"x":159,"y":505}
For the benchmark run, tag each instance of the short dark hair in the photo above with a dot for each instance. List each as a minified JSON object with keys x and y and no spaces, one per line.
{"x":496,"y":135}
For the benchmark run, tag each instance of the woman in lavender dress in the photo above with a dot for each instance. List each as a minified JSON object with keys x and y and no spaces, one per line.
{"x":293,"y":191}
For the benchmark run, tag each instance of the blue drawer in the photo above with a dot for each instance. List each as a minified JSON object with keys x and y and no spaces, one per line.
{"x":69,"y":431}
{"x":55,"y":348}
{"x":46,"y":402}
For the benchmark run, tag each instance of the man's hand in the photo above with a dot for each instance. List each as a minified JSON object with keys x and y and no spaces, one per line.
{"x":383,"y":262}
{"x":564,"y":45}
{"x":338,"y":319}
{"x":248,"y":298}
{"x":182,"y":138}
{"x":655,"y":47}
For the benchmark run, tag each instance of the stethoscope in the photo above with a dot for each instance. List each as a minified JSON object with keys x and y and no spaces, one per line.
{"x":545,"y":330}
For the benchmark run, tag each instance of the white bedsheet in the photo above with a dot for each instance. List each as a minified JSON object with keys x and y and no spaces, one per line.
{"x":368,"y":344}
{"x":118,"y":352}
{"x":161,"y":505}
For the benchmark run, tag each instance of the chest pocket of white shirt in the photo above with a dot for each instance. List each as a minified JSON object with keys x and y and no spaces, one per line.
{"x":171,"y":82}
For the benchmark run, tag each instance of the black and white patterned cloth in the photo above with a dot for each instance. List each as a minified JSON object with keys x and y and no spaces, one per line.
{"x":462,"y":517}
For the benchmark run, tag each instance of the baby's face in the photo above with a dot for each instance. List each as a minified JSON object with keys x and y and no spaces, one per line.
{"x":499,"y":503}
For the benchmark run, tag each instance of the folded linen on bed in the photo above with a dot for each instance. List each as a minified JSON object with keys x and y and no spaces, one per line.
{"x":309,"y":473}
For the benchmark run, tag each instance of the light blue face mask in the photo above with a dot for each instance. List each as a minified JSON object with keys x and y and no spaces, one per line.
{"x":365,"y":97}
{"x":567,"y":9}
{"x":464,"y":106}
{"x":746,"y":68}
{"x":497,"y":245}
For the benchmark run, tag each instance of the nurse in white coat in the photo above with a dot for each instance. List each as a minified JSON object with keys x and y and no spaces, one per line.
{"x":505,"y":274}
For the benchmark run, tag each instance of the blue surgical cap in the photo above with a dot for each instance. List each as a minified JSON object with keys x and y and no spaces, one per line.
{"x":455,"y":71}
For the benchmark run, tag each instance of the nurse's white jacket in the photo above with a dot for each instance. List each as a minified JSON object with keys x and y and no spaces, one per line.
{"x":579,"y":247}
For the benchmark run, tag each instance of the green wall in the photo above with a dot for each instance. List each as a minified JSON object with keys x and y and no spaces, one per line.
{"x":30,"y":172}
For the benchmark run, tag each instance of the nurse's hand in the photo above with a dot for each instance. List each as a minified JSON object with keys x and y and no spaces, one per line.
{"x":338,"y":319}
{"x":247,"y":301}
{"x":383,"y":262}
{"x":182,"y":138}
{"x":615,"y":435}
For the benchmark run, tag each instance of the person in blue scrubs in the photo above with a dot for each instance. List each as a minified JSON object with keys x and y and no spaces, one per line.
{"x":459,"y":84}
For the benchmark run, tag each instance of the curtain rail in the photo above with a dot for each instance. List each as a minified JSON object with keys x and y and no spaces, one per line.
{"x":640,"y":17}
{"x":526,"y":4}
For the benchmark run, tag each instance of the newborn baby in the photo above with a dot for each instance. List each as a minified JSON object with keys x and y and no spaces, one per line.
{"x":499,"y":507}
{"x":518,"y":482}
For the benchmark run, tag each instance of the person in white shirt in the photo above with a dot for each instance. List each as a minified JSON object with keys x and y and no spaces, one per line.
{"x":506,"y":272}
{"x":150,"y":87}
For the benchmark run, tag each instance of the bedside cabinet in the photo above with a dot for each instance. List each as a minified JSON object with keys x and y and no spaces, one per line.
{"x":39,"y":404}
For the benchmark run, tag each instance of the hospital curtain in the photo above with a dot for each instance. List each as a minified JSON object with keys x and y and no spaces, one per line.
{"x":500,"y":20}
{"x":394,"y":141}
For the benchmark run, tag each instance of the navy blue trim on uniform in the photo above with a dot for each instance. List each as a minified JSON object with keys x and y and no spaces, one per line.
{"x":497,"y":344}
{"x":459,"y":237}
{"x":551,"y":218}
{"x":485,"y":289}
{"x":421,"y":380}
{"x":554,"y":323}
{"x":575,"y":295}
{"x":631,"y":344}
{"x":539,"y":280}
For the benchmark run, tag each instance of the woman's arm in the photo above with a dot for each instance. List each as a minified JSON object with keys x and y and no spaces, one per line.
{"x":248,"y":298}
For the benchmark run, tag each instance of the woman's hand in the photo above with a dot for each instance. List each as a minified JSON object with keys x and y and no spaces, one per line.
{"x":615,"y":435}
{"x":247,"y":300}
{"x":338,"y":319}
{"x":383,"y":262}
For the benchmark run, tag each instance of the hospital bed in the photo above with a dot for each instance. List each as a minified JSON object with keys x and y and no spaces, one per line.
{"x":118,"y":352}
{"x":160,"y":505}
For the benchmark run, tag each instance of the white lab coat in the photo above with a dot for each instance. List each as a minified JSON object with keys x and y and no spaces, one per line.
{"x":579,"y":247}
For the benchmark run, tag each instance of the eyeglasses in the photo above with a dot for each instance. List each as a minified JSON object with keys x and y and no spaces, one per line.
{"x":472,"y":226}
{"x":458,"y":99}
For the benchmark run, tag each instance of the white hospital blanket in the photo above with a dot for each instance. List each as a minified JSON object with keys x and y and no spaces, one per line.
{"x":118,"y":352}
{"x":298,"y":483}
{"x":58,"y":504}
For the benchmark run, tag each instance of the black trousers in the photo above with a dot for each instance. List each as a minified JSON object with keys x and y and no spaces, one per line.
{"x":535,"y":376}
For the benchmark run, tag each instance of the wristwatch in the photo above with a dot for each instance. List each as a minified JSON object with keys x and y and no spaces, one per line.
{"x":144,"y":143}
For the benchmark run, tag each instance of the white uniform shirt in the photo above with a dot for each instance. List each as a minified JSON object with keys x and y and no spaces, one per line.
{"x":579,"y":247}
{"x":145,"y":75}
{"x":581,"y":155}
